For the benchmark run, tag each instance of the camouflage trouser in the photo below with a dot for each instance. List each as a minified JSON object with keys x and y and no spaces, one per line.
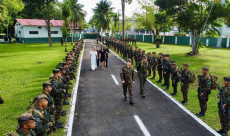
{"x":154,"y":71}
{"x":174,"y":87}
{"x":149,"y":69}
{"x":130,"y":88}
{"x":160,"y":73}
{"x":58,"y":106}
{"x":167,"y":77}
{"x":184,"y":91}
{"x":203,"y":103}
{"x":223,"y":119}
{"x":135,"y":58}
{"x":142,"y":79}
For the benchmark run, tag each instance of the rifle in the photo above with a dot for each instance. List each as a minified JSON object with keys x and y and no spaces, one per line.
{"x":173,"y":80}
{"x":181,"y":78}
{"x":221,"y":100}
{"x":199,"y":92}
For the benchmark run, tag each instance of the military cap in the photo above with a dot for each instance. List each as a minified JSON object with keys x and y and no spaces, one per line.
{"x":160,"y":53}
{"x":227,"y":78}
{"x":64,"y":63}
{"x":129,"y":60}
{"x":153,"y":52}
{"x":166,"y":55}
{"x":143,"y":50}
{"x":68,"y":59}
{"x":139,"y":49}
{"x":136,"y":47}
{"x":55,"y":71}
{"x":42,"y":96}
{"x":61,"y":68}
{"x":186,"y":64}
{"x":205,"y":68}
{"x":47,"y":84}
{"x":25,"y":117}
{"x":163,"y":55}
{"x":174,"y":64}
{"x":149,"y":52}
{"x":144,"y":56}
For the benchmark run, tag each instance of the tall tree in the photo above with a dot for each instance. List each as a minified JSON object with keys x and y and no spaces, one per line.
{"x":102,"y":15}
{"x":65,"y":15}
{"x":197,"y":16}
{"x":115,"y":18}
{"x":123,"y":14}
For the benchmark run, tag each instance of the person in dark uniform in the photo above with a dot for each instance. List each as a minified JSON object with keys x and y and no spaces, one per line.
{"x":98,"y":55}
{"x":159,"y":67}
{"x":103,"y":57}
{"x":107,"y":52}
{"x":62,"y":41}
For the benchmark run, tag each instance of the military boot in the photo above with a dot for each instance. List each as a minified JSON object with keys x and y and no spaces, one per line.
{"x":166,"y":89}
{"x":65,"y":103}
{"x":131,"y":102}
{"x":125,"y":99}
{"x":220,"y":131}
{"x":153,"y":78}
{"x":163,"y":85}
{"x":173,"y":94}
{"x":143,"y":95}
{"x":149,"y":75}
{"x":159,"y":81}
{"x":59,"y":126}
{"x":60,"y":123}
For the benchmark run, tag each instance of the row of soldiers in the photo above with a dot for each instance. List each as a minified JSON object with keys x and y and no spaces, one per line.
{"x":146,"y":64}
{"x":43,"y":114}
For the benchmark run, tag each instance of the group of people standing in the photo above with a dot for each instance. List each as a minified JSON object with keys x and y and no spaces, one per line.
{"x":44,"y":112}
{"x":166,"y":67}
{"x":99,"y":55}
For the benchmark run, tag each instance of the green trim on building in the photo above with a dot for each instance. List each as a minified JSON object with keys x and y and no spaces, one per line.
{"x":212,"y":42}
{"x":169,"y":39}
{"x":183,"y":40}
{"x":139,"y":38}
{"x":148,"y":38}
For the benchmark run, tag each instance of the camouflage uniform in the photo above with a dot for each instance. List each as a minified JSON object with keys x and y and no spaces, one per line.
{"x":22,"y":133}
{"x":127,"y":75}
{"x":135,"y":56}
{"x":159,"y":68}
{"x":185,"y":79}
{"x":149,"y":66}
{"x":57,"y":90}
{"x":154,"y":64}
{"x":175,"y":75}
{"x":167,"y":65}
{"x":139,"y":57}
{"x":205,"y":82}
{"x":142,"y":74}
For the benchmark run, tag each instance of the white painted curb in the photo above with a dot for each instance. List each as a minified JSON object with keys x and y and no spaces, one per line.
{"x":73,"y":100}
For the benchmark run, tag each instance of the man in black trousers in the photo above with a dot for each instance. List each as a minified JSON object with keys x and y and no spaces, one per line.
{"x":107,"y":52}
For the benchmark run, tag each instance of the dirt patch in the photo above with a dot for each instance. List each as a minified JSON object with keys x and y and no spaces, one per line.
{"x":38,"y":62}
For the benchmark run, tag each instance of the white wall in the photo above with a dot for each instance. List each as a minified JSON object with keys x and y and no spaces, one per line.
{"x":41,"y":32}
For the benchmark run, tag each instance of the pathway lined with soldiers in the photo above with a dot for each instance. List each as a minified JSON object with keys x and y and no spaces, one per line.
{"x":101,"y":111}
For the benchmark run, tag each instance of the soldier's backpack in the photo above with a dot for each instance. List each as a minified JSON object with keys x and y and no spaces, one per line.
{"x":13,"y":133}
{"x":214,"y":80}
{"x":193,"y":76}
{"x":33,"y":103}
{"x":143,"y":62}
{"x":59,"y":65}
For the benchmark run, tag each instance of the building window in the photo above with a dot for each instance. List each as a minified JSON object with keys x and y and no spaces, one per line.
{"x":54,"y":32}
{"x":39,"y":27}
{"x":33,"y":32}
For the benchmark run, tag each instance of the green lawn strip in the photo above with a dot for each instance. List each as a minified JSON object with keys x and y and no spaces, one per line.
{"x":24,"y":68}
{"x":215,"y":59}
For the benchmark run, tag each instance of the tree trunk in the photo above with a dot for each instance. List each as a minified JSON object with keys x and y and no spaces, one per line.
{"x":48,"y":25}
{"x":72,"y":34}
{"x":123,"y":17}
{"x":74,"y":40}
{"x":66,"y":44}
{"x":193,"y":41}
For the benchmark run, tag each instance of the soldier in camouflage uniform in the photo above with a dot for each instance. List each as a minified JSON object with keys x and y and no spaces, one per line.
{"x":175,"y":73}
{"x":139,"y":56}
{"x":185,"y":75}
{"x":135,"y":55}
{"x":42,"y":119}
{"x":167,"y":68}
{"x":131,"y":53}
{"x":205,"y":81}
{"x":163,"y":60}
{"x":128,"y":79}
{"x":159,"y":67}
{"x":26,"y":125}
{"x":58,"y":92}
{"x":142,"y":67}
{"x":149,"y":61}
{"x":154,"y":64}
{"x":224,"y":121}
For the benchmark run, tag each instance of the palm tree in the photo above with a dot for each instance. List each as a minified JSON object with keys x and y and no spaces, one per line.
{"x":78,"y":14}
{"x":102,"y":14}
{"x":115,"y":20}
{"x":65,"y":15}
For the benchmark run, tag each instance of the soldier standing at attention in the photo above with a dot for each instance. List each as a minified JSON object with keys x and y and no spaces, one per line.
{"x":185,"y":75}
{"x":175,"y":78}
{"x":142,"y":67}
{"x":154,"y":64}
{"x":167,"y":66}
{"x":163,"y":60}
{"x":149,"y":61}
{"x":128,"y":79}
{"x":225,"y":91}
{"x":26,"y":125}
{"x":131,"y":53}
{"x":62,"y":41}
{"x":42,"y":122}
{"x":205,"y":81}
{"x":159,"y":67}
{"x":139,"y":56}
{"x":135,"y":55}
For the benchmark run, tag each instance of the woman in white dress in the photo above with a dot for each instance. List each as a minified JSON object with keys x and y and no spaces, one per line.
{"x":93,"y":57}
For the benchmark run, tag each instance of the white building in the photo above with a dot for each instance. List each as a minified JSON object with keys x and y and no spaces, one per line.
{"x":34,"y":30}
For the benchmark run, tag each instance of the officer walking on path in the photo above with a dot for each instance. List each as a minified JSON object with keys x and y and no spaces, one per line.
{"x":128,"y":79}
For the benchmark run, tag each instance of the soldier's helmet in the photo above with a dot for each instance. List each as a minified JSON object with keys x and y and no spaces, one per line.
{"x":227,"y":78}
{"x":25,"y":117}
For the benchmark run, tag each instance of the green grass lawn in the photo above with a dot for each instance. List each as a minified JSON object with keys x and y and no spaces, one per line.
{"x":216,"y":59}
{"x":24,"y":68}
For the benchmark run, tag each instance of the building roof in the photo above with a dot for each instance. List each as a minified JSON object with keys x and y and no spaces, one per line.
{"x":38,"y":22}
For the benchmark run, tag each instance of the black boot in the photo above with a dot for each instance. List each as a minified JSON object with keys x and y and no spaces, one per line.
{"x":220,"y":131}
{"x":173,"y":94}
{"x":63,"y":114}
{"x":163,"y":85}
{"x":159,"y":81}
{"x":149,"y":75}
{"x":131,"y":102}
{"x":60,"y":123}
{"x":69,"y":95}
{"x":153,"y":78}
{"x":59,"y":126}
{"x":125,"y":99}
{"x":65,"y":103}
{"x":200,"y":114}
